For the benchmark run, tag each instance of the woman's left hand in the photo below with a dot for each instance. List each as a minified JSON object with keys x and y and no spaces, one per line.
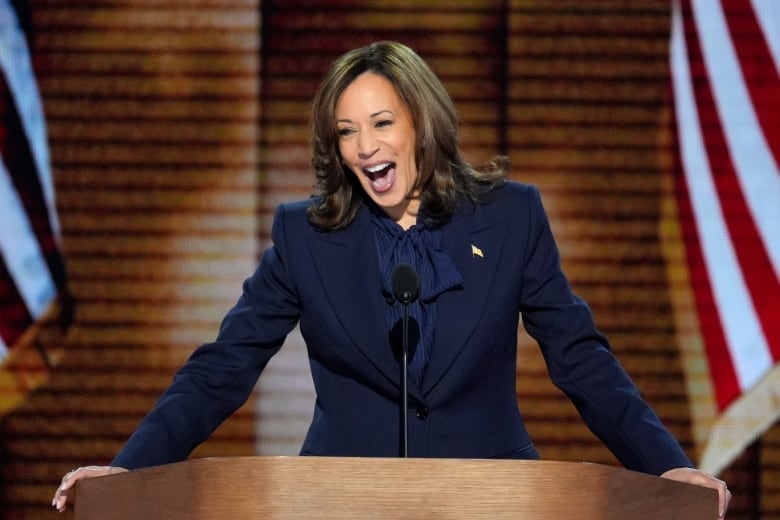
{"x":701,"y":478}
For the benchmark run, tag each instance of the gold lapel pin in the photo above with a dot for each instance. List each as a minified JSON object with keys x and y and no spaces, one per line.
{"x":475,"y":251}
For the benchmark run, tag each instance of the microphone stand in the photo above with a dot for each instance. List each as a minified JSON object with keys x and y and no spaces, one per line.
{"x":406,"y":288}
{"x":405,"y":377}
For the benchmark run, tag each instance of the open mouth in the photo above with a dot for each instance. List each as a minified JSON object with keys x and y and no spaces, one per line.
{"x":381,"y":176}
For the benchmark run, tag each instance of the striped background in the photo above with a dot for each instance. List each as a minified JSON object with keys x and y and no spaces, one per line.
{"x":176,"y":126}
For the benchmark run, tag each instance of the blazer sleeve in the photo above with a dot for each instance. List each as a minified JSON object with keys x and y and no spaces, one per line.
{"x":219,"y":376}
{"x":580,"y":360}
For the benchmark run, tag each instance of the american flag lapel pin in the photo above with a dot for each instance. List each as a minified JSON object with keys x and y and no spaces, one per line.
{"x":475,"y":251}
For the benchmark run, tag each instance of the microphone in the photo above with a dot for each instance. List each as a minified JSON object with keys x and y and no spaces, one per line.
{"x":406,"y":288}
{"x":406,"y":283}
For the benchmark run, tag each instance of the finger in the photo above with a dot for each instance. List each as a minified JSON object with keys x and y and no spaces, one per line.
{"x":61,"y":495}
{"x":724,"y":497}
{"x":60,"y":500}
{"x":57,"y":494}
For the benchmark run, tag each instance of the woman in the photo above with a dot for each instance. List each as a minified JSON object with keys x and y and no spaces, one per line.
{"x":391,"y":188}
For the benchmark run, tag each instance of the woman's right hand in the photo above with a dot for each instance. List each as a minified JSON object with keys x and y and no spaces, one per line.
{"x":61,"y":496}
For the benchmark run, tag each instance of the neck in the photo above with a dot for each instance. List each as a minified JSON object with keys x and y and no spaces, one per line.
{"x":407,"y":215}
{"x":406,"y":221}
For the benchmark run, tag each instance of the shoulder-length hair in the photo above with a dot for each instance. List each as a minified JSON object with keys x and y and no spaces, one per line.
{"x":443,"y":174}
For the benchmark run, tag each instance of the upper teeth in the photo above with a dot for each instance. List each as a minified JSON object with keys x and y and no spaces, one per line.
{"x":378,"y":167}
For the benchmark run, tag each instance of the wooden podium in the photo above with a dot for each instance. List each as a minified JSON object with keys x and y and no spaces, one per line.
{"x":239,"y":488}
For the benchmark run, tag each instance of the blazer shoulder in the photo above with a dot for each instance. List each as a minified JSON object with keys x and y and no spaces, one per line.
{"x":513,"y":199}
{"x":291,"y":223}
{"x":514,"y":190}
{"x":295,"y":209}
{"x":293,"y":214}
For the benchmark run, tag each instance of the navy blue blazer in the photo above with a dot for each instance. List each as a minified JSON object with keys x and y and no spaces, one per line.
{"x":466,"y":405}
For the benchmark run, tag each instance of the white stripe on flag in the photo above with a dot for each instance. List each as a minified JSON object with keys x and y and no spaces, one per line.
{"x":21,"y":251}
{"x":16,"y":64}
{"x":755,"y":165}
{"x":768,"y":15}
{"x":748,"y":347}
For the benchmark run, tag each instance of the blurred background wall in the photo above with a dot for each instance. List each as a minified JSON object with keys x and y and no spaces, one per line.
{"x":176,"y":128}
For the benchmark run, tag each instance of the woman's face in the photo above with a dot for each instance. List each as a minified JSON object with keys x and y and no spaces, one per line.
{"x":377,"y":143}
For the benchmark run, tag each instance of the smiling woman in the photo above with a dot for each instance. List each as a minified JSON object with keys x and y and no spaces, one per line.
{"x":380,"y":108}
{"x":387,"y":201}
{"x":377,"y":143}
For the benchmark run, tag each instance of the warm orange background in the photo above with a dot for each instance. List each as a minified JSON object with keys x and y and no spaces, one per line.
{"x":177,"y":126}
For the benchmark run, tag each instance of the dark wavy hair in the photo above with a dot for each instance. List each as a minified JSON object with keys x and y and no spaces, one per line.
{"x":443,"y":174}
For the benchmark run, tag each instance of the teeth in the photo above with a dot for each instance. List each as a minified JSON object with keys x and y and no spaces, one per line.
{"x":377,"y":168}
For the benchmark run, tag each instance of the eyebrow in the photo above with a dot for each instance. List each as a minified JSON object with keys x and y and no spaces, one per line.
{"x":375,"y":114}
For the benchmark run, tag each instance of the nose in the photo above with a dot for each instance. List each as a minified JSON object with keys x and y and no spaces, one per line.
{"x":367,"y":145}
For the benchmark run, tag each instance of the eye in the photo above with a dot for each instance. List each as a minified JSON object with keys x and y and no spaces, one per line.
{"x":345,"y":132}
{"x":382,"y":123}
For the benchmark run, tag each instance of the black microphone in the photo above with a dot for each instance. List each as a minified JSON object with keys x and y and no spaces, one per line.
{"x":406,"y":283}
{"x":406,"y":288}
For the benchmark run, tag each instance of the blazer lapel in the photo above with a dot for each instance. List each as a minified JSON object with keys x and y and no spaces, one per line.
{"x":347,"y":265}
{"x":474,"y":244}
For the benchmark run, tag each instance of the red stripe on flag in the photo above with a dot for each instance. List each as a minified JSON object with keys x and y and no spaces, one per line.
{"x":14,"y":319}
{"x":726,"y":384}
{"x":758,"y":68}
{"x":724,"y":376}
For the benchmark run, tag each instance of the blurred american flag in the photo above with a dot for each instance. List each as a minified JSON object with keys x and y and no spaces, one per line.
{"x":32,"y":276}
{"x":724,"y":61}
